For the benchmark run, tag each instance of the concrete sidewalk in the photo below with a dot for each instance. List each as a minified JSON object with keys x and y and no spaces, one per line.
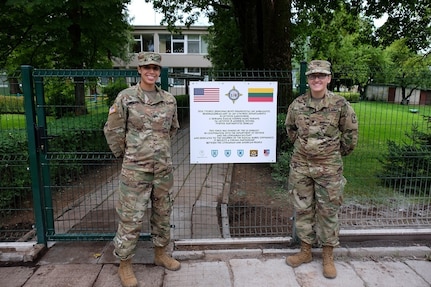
{"x":85,"y":264}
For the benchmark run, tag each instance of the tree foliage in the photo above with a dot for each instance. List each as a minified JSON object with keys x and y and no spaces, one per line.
{"x":262,"y":27}
{"x":410,"y":20}
{"x":66,"y":34}
{"x":272,"y":33}
{"x":63,"y":34}
{"x":407,"y":69}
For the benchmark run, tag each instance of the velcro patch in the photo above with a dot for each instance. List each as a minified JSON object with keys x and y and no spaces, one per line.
{"x":112,"y":110}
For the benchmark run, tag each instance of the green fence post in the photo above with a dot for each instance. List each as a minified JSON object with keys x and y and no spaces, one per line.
{"x":43,"y":162}
{"x":302,"y":78}
{"x":33,"y":152}
{"x":164,"y":79}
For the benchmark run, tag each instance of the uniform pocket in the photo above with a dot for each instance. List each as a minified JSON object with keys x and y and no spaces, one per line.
{"x":336,"y":189}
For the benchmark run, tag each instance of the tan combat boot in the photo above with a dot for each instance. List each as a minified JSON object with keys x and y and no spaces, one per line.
{"x":329,"y":270}
{"x":163,"y":259}
{"x":127,"y":276}
{"x":304,"y":256}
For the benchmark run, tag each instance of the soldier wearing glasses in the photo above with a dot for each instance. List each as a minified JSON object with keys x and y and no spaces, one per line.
{"x":323,"y":128}
{"x":139,"y":128}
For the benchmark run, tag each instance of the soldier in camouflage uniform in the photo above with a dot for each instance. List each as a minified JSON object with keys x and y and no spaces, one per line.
{"x":323,"y":128}
{"x":140,"y":126}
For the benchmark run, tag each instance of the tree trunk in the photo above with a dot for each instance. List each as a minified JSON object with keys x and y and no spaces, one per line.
{"x":80,"y":108}
{"x":14,"y":87}
{"x":265,"y":29}
{"x":76,"y":56}
{"x":246,"y":13}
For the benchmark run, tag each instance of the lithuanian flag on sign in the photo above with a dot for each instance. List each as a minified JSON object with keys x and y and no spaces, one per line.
{"x":260,"y":94}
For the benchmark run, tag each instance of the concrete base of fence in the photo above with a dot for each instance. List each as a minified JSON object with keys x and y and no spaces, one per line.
{"x":18,"y":252}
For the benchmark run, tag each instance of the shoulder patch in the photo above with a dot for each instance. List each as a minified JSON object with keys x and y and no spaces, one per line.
{"x":354,"y":119}
{"x":112,"y":110}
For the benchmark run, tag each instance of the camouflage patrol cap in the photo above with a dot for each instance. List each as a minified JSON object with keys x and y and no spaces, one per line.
{"x":318,"y":66}
{"x":149,"y":58}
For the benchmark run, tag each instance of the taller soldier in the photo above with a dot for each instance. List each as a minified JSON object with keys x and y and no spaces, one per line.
{"x":139,"y":128}
{"x":323,"y":128}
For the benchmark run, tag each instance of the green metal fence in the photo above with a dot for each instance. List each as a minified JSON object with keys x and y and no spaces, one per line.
{"x":58,"y":177}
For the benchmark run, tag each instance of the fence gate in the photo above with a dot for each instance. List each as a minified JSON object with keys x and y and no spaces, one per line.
{"x":73,"y":173}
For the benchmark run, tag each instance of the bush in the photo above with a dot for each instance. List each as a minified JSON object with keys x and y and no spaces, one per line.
{"x":280,"y":170}
{"x":406,"y":167}
{"x":60,"y":95}
{"x":113,"y":88}
{"x":283,"y":143}
{"x":86,"y":136}
{"x":13,"y":171}
{"x":12,"y":104}
{"x":351,"y":97}
{"x":183,"y":106}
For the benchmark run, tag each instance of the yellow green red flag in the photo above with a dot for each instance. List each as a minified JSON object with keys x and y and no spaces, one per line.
{"x":260,"y":94}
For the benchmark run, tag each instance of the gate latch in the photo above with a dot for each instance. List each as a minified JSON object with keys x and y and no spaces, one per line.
{"x":42,"y":137}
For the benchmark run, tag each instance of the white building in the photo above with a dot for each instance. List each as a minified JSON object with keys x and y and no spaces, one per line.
{"x":183,"y":53}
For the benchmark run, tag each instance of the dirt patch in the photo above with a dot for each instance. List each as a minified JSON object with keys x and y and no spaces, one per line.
{"x":258,"y":205}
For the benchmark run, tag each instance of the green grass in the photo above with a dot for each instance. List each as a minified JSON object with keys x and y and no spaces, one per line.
{"x":12,"y":121}
{"x":99,"y":106}
{"x":17,"y":121}
{"x":378,"y":123}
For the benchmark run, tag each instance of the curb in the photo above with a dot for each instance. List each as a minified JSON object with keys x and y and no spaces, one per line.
{"x":15,"y":252}
{"x":415,"y":252}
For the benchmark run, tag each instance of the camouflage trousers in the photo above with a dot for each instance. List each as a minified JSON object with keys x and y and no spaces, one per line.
{"x":137,"y":188}
{"x":316,"y":190}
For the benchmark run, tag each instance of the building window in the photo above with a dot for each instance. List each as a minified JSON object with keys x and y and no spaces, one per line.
{"x":165,"y":43}
{"x":193,"y":71}
{"x":193,"y":44}
{"x":177,"y":81}
{"x":182,"y":44}
{"x":144,"y":43}
{"x":204,"y":45}
{"x":178,"y":44}
{"x":179,"y":75}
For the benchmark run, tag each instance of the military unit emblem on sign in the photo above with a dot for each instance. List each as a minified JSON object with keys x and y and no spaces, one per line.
{"x":233,"y":94}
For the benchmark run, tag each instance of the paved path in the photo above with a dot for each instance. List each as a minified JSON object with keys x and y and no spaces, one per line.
{"x":91,"y":264}
{"x":198,"y":191}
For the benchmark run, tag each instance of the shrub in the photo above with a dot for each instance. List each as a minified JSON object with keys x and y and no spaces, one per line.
{"x":113,"y":88}
{"x":406,"y":167}
{"x":13,"y":171}
{"x":60,"y":95}
{"x":351,"y":97}
{"x":280,"y":169}
{"x":12,"y":104}
{"x":283,"y":143}
{"x":183,"y":106}
{"x":86,"y":136}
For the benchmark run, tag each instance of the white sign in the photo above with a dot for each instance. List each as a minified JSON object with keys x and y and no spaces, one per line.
{"x":233,"y":122}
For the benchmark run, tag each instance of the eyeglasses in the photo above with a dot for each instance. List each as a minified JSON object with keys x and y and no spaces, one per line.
{"x":317,"y":76}
{"x":151,"y":67}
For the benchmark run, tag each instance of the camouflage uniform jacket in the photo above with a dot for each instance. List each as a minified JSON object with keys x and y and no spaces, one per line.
{"x":322,"y":129}
{"x":141,"y":128}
